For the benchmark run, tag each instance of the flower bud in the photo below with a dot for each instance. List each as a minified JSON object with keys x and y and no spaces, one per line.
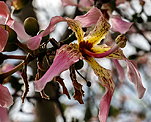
{"x":31,"y":26}
{"x":12,"y":34}
{"x":121,"y":41}
{"x":79,"y":64}
{"x":19,"y":4}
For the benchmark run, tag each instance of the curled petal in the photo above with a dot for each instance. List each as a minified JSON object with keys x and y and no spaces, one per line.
{"x":34,"y":42}
{"x":65,"y":57}
{"x":98,"y":33}
{"x":5,"y":97}
{"x":90,"y":18}
{"x":4,"y":11}
{"x":120,"y":70}
{"x":118,"y":25}
{"x":76,"y":27}
{"x":100,"y":51}
{"x":135,"y":78}
{"x":3,"y":38}
{"x":4,"y":115}
{"x":69,"y":2}
{"x":106,"y":80}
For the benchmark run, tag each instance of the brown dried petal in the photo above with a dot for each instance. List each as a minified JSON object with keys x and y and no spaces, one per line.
{"x":65,"y":91}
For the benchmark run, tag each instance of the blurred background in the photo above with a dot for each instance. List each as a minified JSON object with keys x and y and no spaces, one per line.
{"x":125,"y":105}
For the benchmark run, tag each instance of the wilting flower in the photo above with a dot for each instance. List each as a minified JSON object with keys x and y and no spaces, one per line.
{"x":4,"y":12}
{"x":87,"y":48}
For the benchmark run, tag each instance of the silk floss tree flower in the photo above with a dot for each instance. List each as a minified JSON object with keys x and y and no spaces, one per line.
{"x":5,"y":13}
{"x":88,"y":49}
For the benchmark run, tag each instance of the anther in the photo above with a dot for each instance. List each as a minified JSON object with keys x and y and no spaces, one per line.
{"x":121,"y":41}
{"x":88,"y":82}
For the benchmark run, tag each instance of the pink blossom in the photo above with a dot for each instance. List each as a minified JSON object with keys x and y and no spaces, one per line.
{"x":119,"y":25}
{"x":4,"y":115}
{"x":5,"y":97}
{"x":4,"y":12}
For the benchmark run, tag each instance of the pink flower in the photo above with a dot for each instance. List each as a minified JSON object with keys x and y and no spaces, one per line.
{"x":4,"y":115}
{"x":88,"y":49}
{"x":4,"y":12}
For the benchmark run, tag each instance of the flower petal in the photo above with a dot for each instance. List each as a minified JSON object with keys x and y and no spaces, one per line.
{"x":118,"y":25}
{"x":135,"y":77}
{"x":19,"y":29}
{"x":98,"y":33}
{"x":65,"y":57}
{"x":4,"y":11}
{"x":4,"y":115}
{"x":106,"y":80}
{"x":120,"y":70}
{"x":90,"y":18}
{"x":34,"y":42}
{"x":77,"y":28}
{"x":3,"y":38}
{"x":5,"y":97}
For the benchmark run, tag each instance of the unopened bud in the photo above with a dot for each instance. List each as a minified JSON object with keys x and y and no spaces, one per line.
{"x":121,"y":41}
{"x":12,"y":34}
{"x":31,"y":26}
{"x":79,"y":64}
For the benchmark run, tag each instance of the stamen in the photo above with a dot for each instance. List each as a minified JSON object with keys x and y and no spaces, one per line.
{"x":88,"y":82}
{"x":101,"y":55}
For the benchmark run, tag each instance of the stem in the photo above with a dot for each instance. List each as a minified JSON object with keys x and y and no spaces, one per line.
{"x":24,"y":47}
{"x":6,"y":74}
{"x":18,"y":67}
{"x":15,"y":57}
